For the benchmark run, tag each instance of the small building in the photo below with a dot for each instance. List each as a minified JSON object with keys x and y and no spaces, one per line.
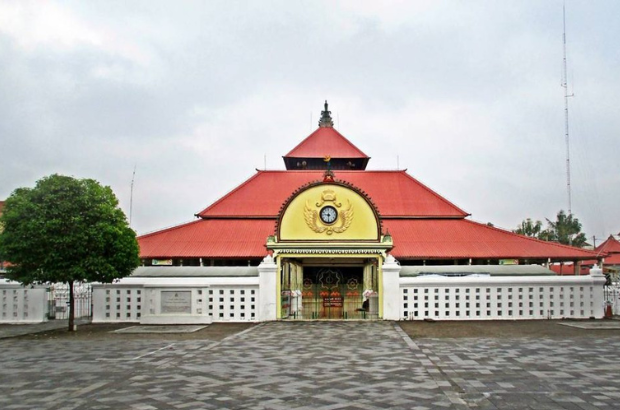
{"x":608,"y":258}
{"x":610,"y":249}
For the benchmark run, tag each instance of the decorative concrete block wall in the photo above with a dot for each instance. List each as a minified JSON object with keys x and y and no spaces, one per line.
{"x":211,"y":299}
{"x":497,"y":298}
{"x":117,"y":303}
{"x":233,"y":303}
{"x":19,"y":304}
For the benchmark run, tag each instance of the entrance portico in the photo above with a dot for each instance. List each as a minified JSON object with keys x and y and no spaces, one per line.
{"x":329,"y":288}
{"x":329,"y":251}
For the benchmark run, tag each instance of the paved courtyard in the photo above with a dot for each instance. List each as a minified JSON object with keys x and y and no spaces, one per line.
{"x":311,"y":365}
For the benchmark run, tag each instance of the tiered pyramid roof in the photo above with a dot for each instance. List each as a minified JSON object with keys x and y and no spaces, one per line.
{"x":396,"y":194}
{"x":326,"y":141}
{"x":423,"y":224}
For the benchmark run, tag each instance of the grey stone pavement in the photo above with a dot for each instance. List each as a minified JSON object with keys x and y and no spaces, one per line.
{"x":7,"y":331}
{"x":311,"y":365}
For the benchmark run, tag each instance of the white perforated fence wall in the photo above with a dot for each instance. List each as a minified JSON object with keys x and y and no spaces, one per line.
{"x":20,"y":304}
{"x":221,"y":302}
{"x":117,"y":304}
{"x":500,"y":298}
{"x":233,"y":304}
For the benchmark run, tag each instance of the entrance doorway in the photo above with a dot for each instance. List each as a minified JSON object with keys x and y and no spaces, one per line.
{"x":329,"y":292}
{"x":333,"y":293}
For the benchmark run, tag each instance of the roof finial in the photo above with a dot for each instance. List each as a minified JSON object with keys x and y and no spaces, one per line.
{"x":326,"y":118}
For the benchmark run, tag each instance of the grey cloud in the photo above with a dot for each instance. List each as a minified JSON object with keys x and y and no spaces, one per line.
{"x":215,"y":86}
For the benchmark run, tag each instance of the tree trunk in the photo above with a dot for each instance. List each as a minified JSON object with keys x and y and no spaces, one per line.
{"x":71,"y":308}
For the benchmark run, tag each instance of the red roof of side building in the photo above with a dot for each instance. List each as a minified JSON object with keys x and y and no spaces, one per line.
{"x":326,"y":141}
{"x":462,"y":238}
{"x":395,"y":193}
{"x":611,"y":247}
{"x":568,"y":269}
{"x":610,"y":250}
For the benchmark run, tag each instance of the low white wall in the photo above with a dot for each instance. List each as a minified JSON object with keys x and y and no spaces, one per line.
{"x":19,"y":304}
{"x":218,"y":299}
{"x":496,"y":298}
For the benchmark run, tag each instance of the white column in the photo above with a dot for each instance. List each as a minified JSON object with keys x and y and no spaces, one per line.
{"x":391,"y":289}
{"x":267,"y":297}
{"x":598,"y":296}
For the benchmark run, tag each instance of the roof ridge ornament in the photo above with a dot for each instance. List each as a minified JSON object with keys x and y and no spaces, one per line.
{"x":328,"y":176}
{"x":326,"y":118}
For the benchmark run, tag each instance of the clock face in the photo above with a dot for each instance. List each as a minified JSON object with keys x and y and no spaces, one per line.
{"x":329,"y":215}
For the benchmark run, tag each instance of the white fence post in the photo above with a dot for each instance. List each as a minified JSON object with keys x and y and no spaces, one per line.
{"x":267,"y":277}
{"x":391,"y":288}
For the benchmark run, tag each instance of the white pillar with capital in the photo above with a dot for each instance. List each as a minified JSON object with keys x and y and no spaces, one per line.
{"x":598,"y":292}
{"x":267,"y":277}
{"x":391,"y":288}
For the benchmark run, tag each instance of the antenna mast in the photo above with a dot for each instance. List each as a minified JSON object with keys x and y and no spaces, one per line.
{"x":566,"y":96}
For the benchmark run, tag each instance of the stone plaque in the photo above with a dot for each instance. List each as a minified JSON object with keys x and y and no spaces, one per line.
{"x":176,"y":302}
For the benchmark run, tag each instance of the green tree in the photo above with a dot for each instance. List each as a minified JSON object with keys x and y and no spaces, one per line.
{"x":530,"y":228}
{"x":566,"y":229}
{"x":66,"y":230}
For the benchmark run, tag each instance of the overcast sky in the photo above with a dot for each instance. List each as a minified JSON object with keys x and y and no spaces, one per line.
{"x":466,"y":94}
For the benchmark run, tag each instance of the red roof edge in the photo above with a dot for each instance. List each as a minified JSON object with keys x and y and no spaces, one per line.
{"x":247,"y":181}
{"x":592,"y":254}
{"x":465,"y":214}
{"x":170,"y":228}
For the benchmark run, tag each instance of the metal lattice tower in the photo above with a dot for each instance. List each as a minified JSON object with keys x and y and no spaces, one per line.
{"x":566,"y":96}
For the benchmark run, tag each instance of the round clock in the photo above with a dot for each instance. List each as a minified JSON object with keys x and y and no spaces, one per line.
{"x":329,"y":215}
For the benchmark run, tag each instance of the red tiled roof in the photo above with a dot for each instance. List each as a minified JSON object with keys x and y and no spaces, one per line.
{"x":215,"y":238}
{"x":326,"y":141}
{"x":413,"y":239}
{"x":394,"y":192}
{"x":462,"y":238}
{"x":612,"y":248}
{"x":568,"y":270}
{"x":612,"y":259}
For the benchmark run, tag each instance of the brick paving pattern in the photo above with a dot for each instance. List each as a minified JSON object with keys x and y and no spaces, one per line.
{"x":311,"y":365}
{"x":7,"y":331}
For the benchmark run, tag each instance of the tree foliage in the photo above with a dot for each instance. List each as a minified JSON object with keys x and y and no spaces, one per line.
{"x":530,"y":228}
{"x":566,"y":229}
{"x":66,"y":230}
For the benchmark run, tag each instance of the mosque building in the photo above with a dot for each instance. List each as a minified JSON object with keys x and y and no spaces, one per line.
{"x":334,"y":232}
